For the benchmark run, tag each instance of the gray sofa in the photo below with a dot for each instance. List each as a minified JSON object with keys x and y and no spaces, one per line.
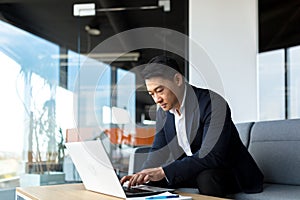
{"x":275,"y":145}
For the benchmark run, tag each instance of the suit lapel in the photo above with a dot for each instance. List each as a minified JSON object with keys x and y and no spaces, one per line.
{"x":192,"y":113}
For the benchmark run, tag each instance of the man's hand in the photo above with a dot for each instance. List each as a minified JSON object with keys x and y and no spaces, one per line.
{"x":144,"y":176}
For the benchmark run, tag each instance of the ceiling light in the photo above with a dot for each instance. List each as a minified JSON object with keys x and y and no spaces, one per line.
{"x":92,"y":30}
{"x":116,"y":57}
{"x":85,"y":9}
{"x":89,"y":9}
{"x":105,"y":57}
{"x":165,"y":4}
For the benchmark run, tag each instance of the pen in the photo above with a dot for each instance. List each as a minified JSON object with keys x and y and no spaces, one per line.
{"x":163,"y":197}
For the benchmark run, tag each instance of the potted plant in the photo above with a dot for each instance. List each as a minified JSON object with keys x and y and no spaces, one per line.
{"x":45,"y":146}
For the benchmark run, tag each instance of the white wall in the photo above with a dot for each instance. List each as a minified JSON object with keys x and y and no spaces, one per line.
{"x":223,"y":49}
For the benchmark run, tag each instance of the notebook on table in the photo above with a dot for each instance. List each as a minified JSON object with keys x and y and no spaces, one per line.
{"x":97,"y":173}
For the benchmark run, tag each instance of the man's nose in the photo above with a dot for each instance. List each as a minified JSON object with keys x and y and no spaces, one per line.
{"x":157,"y":98}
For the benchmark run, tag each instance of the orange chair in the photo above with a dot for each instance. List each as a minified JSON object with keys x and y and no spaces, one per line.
{"x":143,"y":137}
{"x":81,"y":134}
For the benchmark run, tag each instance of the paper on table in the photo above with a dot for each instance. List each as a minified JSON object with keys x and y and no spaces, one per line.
{"x":162,"y":194}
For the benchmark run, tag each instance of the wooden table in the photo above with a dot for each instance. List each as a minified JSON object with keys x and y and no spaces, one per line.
{"x":76,"y":192}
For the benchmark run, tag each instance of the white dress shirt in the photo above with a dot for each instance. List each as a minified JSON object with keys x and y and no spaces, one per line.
{"x":181,"y":127}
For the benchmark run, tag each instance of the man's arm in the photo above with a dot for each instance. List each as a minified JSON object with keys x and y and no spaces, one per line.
{"x":159,"y":151}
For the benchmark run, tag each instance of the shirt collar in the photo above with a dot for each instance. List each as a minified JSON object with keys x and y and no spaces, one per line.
{"x":181,"y":109}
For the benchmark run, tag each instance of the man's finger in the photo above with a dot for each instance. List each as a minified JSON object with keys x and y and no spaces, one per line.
{"x":146,"y":179}
{"x":124,"y":179}
{"x":140,"y":179}
{"x":132,"y":181}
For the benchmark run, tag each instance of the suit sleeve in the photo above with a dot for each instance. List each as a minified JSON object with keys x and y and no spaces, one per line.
{"x":215,"y":125}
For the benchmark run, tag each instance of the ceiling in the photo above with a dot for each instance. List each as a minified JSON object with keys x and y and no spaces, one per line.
{"x":54,"y":20}
{"x":279,"y":21}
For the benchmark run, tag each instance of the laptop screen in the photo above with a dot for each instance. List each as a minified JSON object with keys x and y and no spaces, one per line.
{"x":95,"y":168}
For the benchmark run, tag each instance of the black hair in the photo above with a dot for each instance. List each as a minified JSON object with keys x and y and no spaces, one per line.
{"x":161,"y":66}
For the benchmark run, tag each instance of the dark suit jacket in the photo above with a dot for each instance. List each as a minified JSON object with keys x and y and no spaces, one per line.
{"x":213,"y":138}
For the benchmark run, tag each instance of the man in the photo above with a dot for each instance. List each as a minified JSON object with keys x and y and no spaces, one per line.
{"x":196,"y":143}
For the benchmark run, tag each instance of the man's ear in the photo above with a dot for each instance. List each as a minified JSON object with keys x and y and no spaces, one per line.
{"x":178,"y":79}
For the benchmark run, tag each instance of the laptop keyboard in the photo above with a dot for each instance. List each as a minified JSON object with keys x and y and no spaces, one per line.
{"x":134,"y":190}
{"x":137,"y":192}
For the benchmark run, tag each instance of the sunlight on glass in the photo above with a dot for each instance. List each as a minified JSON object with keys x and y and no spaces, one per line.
{"x":11,"y":115}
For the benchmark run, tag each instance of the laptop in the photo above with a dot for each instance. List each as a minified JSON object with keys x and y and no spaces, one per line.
{"x":97,"y":172}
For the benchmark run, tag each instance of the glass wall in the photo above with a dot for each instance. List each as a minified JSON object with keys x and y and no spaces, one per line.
{"x":12,"y":126}
{"x":38,"y":112}
{"x":126,"y":97}
{"x":30,"y":79}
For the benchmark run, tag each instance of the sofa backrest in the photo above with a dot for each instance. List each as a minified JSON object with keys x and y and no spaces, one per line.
{"x":244,"y":132}
{"x":275,"y":146}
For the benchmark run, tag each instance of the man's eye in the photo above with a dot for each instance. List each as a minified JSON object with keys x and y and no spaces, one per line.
{"x":159,"y":90}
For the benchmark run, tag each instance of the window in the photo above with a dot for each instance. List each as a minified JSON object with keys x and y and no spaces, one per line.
{"x":32,"y":104}
{"x":126,"y":96}
{"x":271,"y":85}
{"x":294,"y":82}
{"x":91,"y":83}
{"x":279,"y":85}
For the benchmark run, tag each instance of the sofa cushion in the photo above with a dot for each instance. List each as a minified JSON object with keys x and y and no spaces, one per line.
{"x":274,"y":192}
{"x":244,"y":131}
{"x":275,"y":145}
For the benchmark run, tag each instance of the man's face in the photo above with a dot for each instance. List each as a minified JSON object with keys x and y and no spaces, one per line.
{"x":163,"y":92}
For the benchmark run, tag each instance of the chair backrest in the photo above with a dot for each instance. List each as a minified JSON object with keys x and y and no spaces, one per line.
{"x":144,"y":136}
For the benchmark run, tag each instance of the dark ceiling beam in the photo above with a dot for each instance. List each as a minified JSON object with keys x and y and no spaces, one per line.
{"x":117,"y":19}
{"x":16,"y":1}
